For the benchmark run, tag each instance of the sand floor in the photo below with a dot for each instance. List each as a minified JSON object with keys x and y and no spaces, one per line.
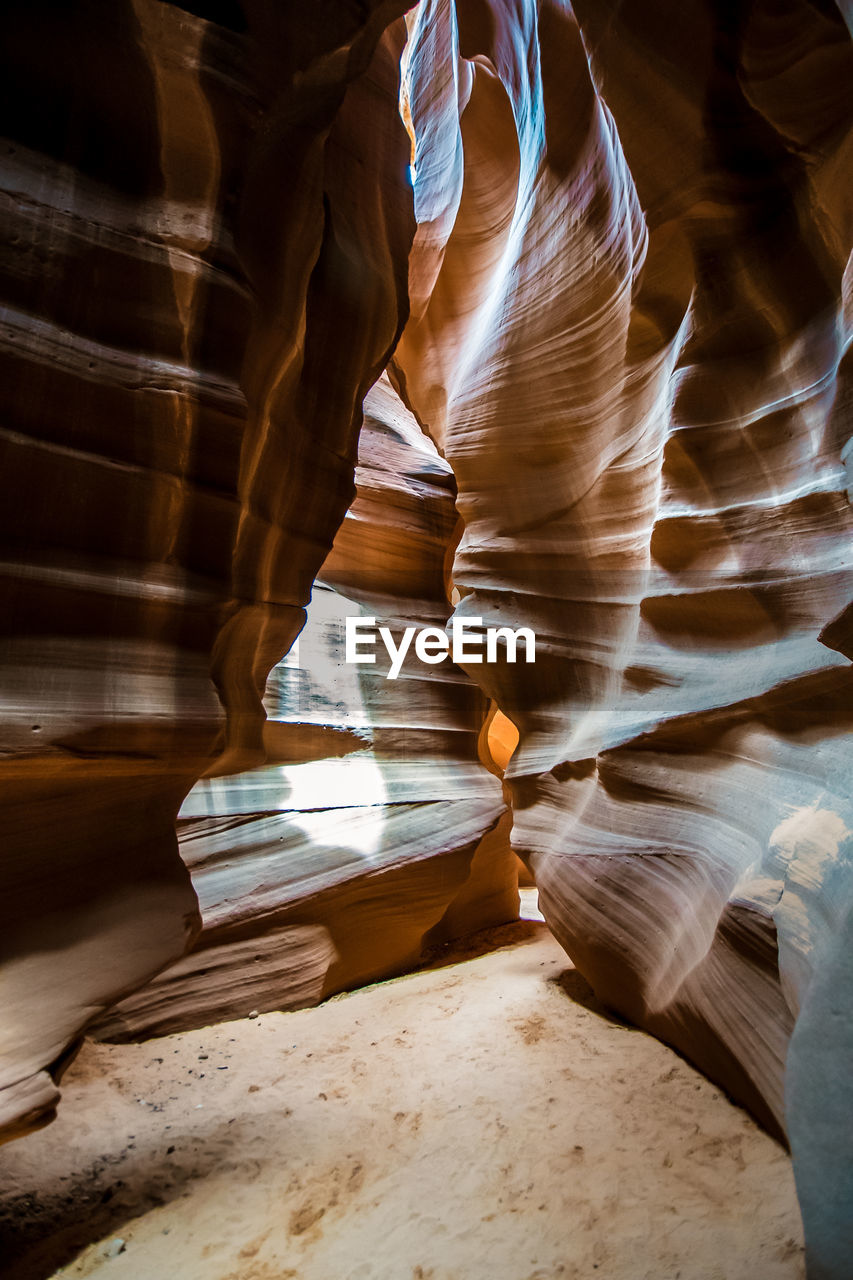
{"x":480,"y":1120}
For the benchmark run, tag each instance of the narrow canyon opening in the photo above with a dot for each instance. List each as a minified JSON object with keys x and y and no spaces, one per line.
{"x":336,"y":339}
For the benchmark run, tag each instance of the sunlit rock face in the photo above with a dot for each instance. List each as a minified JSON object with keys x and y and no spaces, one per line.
{"x":623,"y":302}
{"x":195,"y":213}
{"x":373,"y":829}
{"x":630,"y":307}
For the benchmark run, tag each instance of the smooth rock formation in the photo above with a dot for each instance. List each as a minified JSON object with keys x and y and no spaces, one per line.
{"x":621,"y":309}
{"x":195,"y":212}
{"x":630,"y":344}
{"x":373,"y":830}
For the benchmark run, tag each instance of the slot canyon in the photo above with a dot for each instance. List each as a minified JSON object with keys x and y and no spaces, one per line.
{"x":523,"y":312}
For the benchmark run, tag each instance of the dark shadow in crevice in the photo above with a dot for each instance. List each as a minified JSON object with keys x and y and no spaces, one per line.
{"x":576,"y":987}
{"x":41,"y":1231}
{"x":471,"y":947}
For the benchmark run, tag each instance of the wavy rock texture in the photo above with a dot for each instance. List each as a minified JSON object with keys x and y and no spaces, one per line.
{"x":194,"y":214}
{"x":630,"y":307}
{"x":373,"y":830}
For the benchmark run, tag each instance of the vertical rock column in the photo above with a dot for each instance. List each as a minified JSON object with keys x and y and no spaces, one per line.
{"x":207,"y":226}
{"x":736,"y":123}
{"x":644,"y":401}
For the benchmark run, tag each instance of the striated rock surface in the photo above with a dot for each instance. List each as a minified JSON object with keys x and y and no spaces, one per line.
{"x":623,"y":306}
{"x":373,"y":829}
{"x":630,"y":308}
{"x":194,"y":213}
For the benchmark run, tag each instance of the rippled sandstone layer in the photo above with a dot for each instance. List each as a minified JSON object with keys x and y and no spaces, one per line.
{"x":195,"y":214}
{"x":373,"y":830}
{"x":630,"y":308}
{"x":625,"y":323}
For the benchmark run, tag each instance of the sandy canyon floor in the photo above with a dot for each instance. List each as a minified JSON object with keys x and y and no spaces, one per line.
{"x":483,"y":1119}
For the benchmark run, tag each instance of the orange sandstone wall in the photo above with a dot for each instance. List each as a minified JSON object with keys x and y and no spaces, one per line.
{"x":195,"y":213}
{"x":618,"y":301}
{"x":630,"y":312}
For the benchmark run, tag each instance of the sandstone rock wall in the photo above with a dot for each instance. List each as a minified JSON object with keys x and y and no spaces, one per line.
{"x":373,"y":829}
{"x":195,"y":212}
{"x":631,"y":344}
{"x":625,"y":324}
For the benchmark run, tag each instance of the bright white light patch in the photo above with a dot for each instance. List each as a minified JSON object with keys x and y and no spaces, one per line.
{"x":334,"y":784}
{"x":529,"y":908}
